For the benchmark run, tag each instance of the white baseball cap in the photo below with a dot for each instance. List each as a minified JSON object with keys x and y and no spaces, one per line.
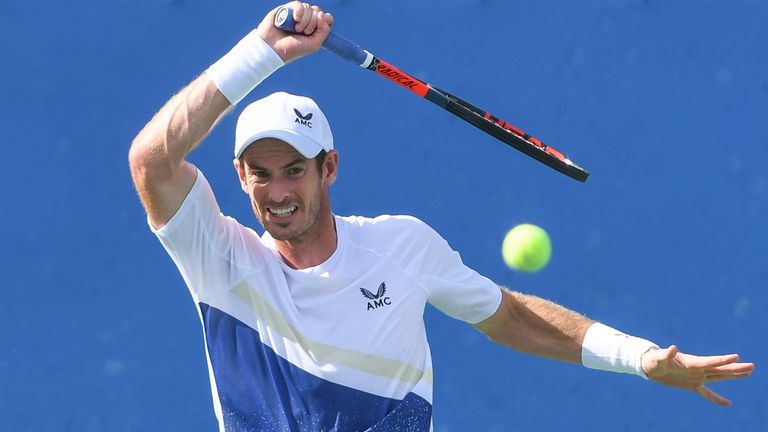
{"x":297,"y":120}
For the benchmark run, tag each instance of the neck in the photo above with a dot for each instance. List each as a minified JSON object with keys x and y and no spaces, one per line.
{"x":314,"y":247}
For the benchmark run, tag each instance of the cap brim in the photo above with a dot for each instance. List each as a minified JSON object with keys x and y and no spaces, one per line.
{"x":305,"y":146}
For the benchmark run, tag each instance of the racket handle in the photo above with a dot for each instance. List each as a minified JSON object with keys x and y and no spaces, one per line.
{"x":338,"y":45}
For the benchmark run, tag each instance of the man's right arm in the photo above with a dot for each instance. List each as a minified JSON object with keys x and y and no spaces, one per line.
{"x":162,"y":176}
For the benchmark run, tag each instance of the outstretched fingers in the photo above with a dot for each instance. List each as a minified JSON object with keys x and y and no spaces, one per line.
{"x":694,"y":361}
{"x":671,"y":367}
{"x":730,"y":371}
{"x":729,"y":376}
{"x":716,"y":368}
{"x":710,"y":395}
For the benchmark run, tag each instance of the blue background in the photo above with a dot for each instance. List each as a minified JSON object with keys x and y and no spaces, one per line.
{"x":666,"y":103}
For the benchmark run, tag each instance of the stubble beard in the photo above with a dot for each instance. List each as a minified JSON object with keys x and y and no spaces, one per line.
{"x":278,"y":232}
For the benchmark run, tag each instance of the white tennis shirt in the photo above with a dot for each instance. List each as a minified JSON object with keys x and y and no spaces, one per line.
{"x":337,"y":347}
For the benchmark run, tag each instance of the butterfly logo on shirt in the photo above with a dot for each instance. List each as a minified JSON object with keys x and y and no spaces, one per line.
{"x":377,"y":300}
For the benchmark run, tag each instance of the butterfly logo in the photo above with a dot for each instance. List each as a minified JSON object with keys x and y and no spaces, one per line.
{"x":377,"y":300}
{"x":303,"y":119}
{"x":382,"y":290}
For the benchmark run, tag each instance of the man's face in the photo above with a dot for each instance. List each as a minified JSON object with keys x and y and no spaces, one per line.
{"x":287,"y":190}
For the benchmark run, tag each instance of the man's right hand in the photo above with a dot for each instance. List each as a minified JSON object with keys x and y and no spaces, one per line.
{"x":312,"y":26}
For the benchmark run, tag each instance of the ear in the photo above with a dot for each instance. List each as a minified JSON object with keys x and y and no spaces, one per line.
{"x":240,"y":174}
{"x":331,"y":167}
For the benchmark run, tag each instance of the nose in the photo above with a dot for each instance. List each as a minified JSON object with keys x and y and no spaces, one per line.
{"x":278,"y":190}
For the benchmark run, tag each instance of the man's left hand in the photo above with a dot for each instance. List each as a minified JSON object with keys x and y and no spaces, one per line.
{"x":691,"y":372}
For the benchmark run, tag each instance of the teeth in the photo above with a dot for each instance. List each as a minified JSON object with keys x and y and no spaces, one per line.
{"x":282,"y":212}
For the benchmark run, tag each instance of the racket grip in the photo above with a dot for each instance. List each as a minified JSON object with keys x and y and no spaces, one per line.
{"x":338,"y":45}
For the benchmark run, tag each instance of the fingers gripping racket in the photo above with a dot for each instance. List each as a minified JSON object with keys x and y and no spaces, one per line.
{"x":481,"y":119}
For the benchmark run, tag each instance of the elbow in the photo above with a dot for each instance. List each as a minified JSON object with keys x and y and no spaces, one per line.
{"x":140,"y":159}
{"x":507,"y":337}
{"x":147,"y":159}
{"x":506,"y":326}
{"x":498,"y":337}
{"x":136,"y":155}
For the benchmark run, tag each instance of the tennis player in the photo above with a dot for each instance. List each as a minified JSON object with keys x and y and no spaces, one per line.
{"x":317,"y":325}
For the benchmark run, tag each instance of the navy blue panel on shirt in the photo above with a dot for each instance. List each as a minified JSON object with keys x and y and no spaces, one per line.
{"x":261,"y":391}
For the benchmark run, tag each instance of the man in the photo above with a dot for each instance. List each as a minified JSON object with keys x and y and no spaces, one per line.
{"x":318,"y":324}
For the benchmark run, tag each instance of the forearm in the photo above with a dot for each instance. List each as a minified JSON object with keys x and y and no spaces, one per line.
{"x":158,"y":153}
{"x":180,"y":125}
{"x":188,"y":117}
{"x":537,"y":326}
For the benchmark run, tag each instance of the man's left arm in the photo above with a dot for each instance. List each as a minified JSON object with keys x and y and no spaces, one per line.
{"x":540,"y":327}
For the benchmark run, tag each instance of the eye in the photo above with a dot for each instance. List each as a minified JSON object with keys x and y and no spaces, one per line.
{"x":260,"y":176}
{"x":295,"y":171}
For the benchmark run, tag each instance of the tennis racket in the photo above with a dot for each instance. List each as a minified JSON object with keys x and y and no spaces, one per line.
{"x":473,"y":115}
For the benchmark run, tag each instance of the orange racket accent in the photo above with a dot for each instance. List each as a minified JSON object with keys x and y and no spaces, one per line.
{"x":510,"y":127}
{"x":515,"y":130}
{"x":473,"y":115}
{"x":554,"y":153}
{"x":536,"y":142}
{"x":401,"y":78}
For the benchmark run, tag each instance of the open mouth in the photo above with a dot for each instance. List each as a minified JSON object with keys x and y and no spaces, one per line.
{"x":282,"y":212}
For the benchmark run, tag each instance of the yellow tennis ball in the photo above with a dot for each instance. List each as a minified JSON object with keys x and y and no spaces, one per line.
{"x":526,"y":248}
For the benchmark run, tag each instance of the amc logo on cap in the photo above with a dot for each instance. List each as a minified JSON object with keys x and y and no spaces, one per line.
{"x":303,"y":119}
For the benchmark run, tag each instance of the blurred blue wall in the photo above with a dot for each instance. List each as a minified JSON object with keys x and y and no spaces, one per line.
{"x":666,"y":103}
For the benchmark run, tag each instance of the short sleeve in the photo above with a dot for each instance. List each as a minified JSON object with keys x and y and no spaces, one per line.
{"x":452,"y":287}
{"x":209,"y":249}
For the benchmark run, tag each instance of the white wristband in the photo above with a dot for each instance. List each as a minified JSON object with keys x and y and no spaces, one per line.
{"x":606,"y":348}
{"x":246,"y":65}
